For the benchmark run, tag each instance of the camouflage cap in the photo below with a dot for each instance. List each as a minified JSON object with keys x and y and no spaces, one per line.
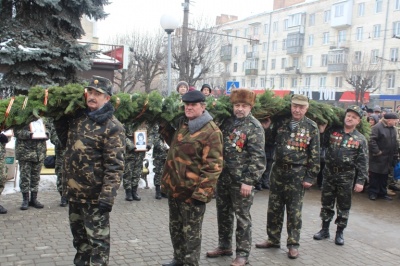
{"x":356,"y":109}
{"x":299,"y":99}
{"x":100,"y":84}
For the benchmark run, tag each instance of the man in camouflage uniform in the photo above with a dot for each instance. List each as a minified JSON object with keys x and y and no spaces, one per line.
{"x":3,"y":177}
{"x":94,"y":142}
{"x":30,"y":153}
{"x":244,"y":163}
{"x":296,"y":165}
{"x":133,"y":166}
{"x":193,"y":164}
{"x":160,"y":150}
{"x":346,"y":155}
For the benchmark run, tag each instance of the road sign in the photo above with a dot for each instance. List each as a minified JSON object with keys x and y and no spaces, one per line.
{"x":231,"y":85}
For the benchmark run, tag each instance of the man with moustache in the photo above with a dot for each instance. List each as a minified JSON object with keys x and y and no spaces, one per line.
{"x":297,"y":163}
{"x":346,"y":155}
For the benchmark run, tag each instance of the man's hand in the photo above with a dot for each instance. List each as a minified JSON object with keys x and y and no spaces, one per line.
{"x":245,"y":190}
{"x":104,"y":207}
{"x":306,"y":184}
{"x":358,"y":188}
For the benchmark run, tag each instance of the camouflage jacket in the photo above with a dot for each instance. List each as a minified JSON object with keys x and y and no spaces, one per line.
{"x":159,"y":147}
{"x":28,"y":149}
{"x":94,"y":155}
{"x":299,"y":146}
{"x":244,"y":154}
{"x":194,"y":161}
{"x":346,"y":152}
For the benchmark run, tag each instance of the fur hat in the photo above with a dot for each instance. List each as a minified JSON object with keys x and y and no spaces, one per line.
{"x":243,"y":96}
{"x":180,"y":83}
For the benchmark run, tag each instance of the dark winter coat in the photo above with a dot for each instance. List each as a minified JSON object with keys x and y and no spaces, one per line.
{"x":383,"y":147}
{"x":94,"y":155}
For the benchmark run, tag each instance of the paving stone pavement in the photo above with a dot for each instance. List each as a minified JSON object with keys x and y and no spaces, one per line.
{"x":140,"y":236}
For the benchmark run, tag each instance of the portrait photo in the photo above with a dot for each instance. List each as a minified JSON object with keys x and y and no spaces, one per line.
{"x":38,"y":130}
{"x":140,"y":140}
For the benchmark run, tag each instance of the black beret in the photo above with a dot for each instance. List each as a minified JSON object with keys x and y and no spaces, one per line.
{"x":391,"y":116}
{"x":193,"y":97}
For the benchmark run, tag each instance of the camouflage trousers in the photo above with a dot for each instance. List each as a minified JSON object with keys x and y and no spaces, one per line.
{"x":336,"y":187}
{"x":185,"y":222}
{"x":91,"y":234}
{"x":58,"y":169}
{"x":29,"y":176}
{"x":3,"y":176}
{"x":159,"y":158}
{"x":230,"y":203}
{"x":286,"y":190}
{"x":133,"y":170}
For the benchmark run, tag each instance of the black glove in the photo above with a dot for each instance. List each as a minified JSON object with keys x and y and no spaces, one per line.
{"x":104,"y":207}
{"x":3,"y":138}
{"x":198,"y":203}
{"x":148,"y":147}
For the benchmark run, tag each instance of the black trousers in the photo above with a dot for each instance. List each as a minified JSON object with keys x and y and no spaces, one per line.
{"x":377,"y":184}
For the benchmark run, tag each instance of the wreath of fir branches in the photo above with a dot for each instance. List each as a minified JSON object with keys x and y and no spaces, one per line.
{"x":56,"y":102}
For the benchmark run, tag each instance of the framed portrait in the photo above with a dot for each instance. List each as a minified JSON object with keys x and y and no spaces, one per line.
{"x":140,"y":140}
{"x":8,"y":133}
{"x":38,"y":130}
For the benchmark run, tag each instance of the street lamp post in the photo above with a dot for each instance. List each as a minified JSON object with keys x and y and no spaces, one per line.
{"x":169,"y":24}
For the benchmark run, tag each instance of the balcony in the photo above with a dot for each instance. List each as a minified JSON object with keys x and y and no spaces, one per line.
{"x":251,"y":72}
{"x":294,"y":43}
{"x":337,"y":60}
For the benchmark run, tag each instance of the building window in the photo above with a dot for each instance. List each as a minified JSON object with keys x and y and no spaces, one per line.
{"x":235,"y":50}
{"x":263,"y":65}
{"x":396,"y":28}
{"x":273,"y":64}
{"x":359,"y":33}
{"x":311,"y":40}
{"x":397,"y":5}
{"x":341,"y":36}
{"x":253,"y":83}
{"x":309,"y":60}
{"x":245,"y":49}
{"x":391,"y":81}
{"x":322,"y":82}
{"x":266,"y":29}
{"x":294,"y":82}
{"x":275,"y":26}
{"x":285,"y":24}
{"x":324,"y":60}
{"x":274,"y":45}
{"x":378,"y":6}
{"x":295,"y":62}
{"x":339,"y":10}
{"x":244,"y":83}
{"x":307,"y":82}
{"x":234,"y":67}
{"x":237,"y":33}
{"x":282,"y":82}
{"x":311,"y":19}
{"x":262,"y":82}
{"x":357,"y":57}
{"x":394,"y":54}
{"x":246,"y":32}
{"x":255,"y":30}
{"x":325,"y":38}
{"x":361,"y":9}
{"x":338,"y":82}
{"x":283,"y":63}
{"x":271,"y":82}
{"x":376,"y":31}
{"x":374,"y":56}
{"x":327,"y":16}
{"x":284,"y":44}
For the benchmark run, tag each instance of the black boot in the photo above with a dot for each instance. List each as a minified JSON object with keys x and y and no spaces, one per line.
{"x":135,"y":195}
{"x":25,"y":201}
{"x":158,"y":192}
{"x":34,"y":202}
{"x":64,"y":201}
{"x":3,"y":210}
{"x":324,"y":232}
{"x":339,"y":240}
{"x":128,"y":195}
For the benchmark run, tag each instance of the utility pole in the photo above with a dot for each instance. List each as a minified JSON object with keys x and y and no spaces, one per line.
{"x":184,"y":64}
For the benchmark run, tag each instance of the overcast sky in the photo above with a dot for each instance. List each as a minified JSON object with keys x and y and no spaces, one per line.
{"x":127,"y":15}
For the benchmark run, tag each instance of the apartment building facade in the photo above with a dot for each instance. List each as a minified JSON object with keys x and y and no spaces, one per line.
{"x":311,"y":47}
